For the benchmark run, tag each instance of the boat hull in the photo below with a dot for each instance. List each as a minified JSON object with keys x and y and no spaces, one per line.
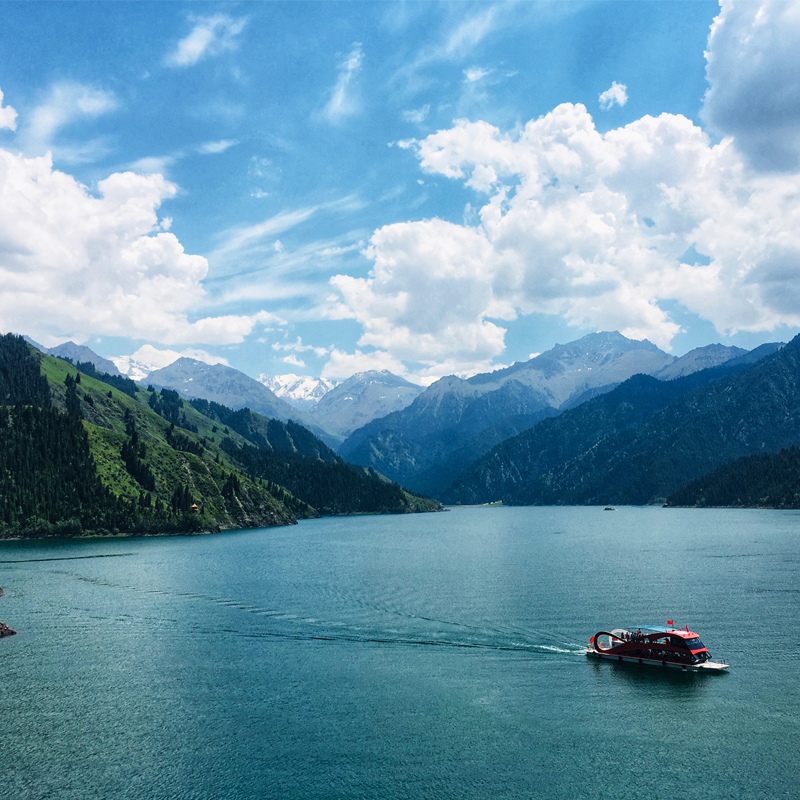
{"x":706,"y":666}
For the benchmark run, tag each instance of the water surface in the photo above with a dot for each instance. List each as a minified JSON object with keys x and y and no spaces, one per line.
{"x":423,"y":656}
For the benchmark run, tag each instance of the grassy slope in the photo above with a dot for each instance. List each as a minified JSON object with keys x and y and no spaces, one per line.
{"x":205,"y":476}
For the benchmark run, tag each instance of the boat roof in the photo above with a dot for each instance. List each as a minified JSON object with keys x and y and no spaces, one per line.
{"x":647,"y":629}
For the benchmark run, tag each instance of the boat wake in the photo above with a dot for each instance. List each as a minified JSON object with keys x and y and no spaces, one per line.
{"x":362,"y":621}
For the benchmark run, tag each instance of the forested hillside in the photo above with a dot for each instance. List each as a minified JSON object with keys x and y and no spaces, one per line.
{"x":79,"y":454}
{"x":763,"y":480}
{"x":645,"y":439}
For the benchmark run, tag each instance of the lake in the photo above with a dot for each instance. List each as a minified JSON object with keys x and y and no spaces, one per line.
{"x":424,"y":656}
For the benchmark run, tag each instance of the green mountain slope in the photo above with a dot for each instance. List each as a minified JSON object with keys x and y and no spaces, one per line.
{"x":78,"y":455}
{"x":763,"y":480}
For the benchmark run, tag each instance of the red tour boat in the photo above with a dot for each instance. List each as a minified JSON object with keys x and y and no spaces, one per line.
{"x":659,"y":647}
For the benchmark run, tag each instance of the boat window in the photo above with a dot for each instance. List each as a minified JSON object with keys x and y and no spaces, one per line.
{"x":694,"y":644}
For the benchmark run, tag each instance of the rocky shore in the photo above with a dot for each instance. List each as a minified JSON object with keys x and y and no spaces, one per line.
{"x":4,"y":629}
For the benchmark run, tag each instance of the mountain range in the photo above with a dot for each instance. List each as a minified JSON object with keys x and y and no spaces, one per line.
{"x":455,"y":421}
{"x":362,"y":398}
{"x":230,"y":387}
{"x":647,"y":438}
{"x":494,"y":435}
{"x":75,"y":353}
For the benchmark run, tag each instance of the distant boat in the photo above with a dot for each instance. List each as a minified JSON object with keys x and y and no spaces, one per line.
{"x":658,"y":647}
{"x":608,"y":508}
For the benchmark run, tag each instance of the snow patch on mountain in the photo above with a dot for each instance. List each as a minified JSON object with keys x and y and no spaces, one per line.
{"x":301,"y":391}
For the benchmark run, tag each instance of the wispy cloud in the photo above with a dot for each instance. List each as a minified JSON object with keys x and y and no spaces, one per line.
{"x":67,"y":102}
{"x":152,"y":165}
{"x":239,"y":239}
{"x":616,"y":95}
{"x":343,"y":101}
{"x":475,"y":74}
{"x":210,"y":148}
{"x":299,"y":347}
{"x":209,"y":37}
{"x":286,"y":276}
{"x":458,"y":42}
{"x":417,"y":115}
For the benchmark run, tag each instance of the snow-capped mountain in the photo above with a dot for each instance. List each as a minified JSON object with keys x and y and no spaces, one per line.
{"x":135,"y":369}
{"x":362,"y":398}
{"x":300,"y":391}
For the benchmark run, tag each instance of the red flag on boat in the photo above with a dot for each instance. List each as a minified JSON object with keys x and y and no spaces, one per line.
{"x":591,"y":641}
{"x":670,"y":622}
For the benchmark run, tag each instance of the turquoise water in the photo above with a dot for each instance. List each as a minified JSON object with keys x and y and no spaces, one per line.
{"x":426,"y":656}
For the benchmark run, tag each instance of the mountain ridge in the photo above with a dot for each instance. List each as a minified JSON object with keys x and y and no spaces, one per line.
{"x":363,"y":397}
{"x":636,"y":454}
{"x":415,"y":446}
{"x":232,"y":388}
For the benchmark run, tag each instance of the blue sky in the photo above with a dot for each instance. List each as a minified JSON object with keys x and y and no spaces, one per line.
{"x":321,"y":188}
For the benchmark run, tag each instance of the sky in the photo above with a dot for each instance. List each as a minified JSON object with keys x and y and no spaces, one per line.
{"x":322,"y":188}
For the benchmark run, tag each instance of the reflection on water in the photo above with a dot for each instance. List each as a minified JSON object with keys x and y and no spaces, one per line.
{"x":426,"y":656}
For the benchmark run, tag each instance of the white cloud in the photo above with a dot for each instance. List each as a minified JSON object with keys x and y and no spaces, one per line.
{"x":151,"y":165}
{"x":8,"y":116}
{"x":344,"y":101}
{"x":417,"y":115}
{"x":209,"y":37}
{"x":211,"y":148}
{"x":468,"y":33}
{"x":238,"y":240}
{"x":753,"y":72}
{"x":299,"y":347}
{"x":587,"y":226}
{"x":340,"y":251}
{"x":616,"y":95}
{"x":65,"y":103}
{"x":75,"y":263}
{"x":293,"y":360}
{"x":456,"y":43}
{"x":474,"y":74}
{"x":342,"y":365}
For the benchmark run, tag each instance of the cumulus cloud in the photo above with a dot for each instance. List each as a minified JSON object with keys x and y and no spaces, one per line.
{"x":75,"y":263}
{"x":615,"y":95}
{"x":584,"y":225}
{"x":8,"y":116}
{"x":343,"y":101}
{"x":342,"y":365}
{"x":293,"y":360}
{"x":209,"y":37}
{"x":753,"y":73}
